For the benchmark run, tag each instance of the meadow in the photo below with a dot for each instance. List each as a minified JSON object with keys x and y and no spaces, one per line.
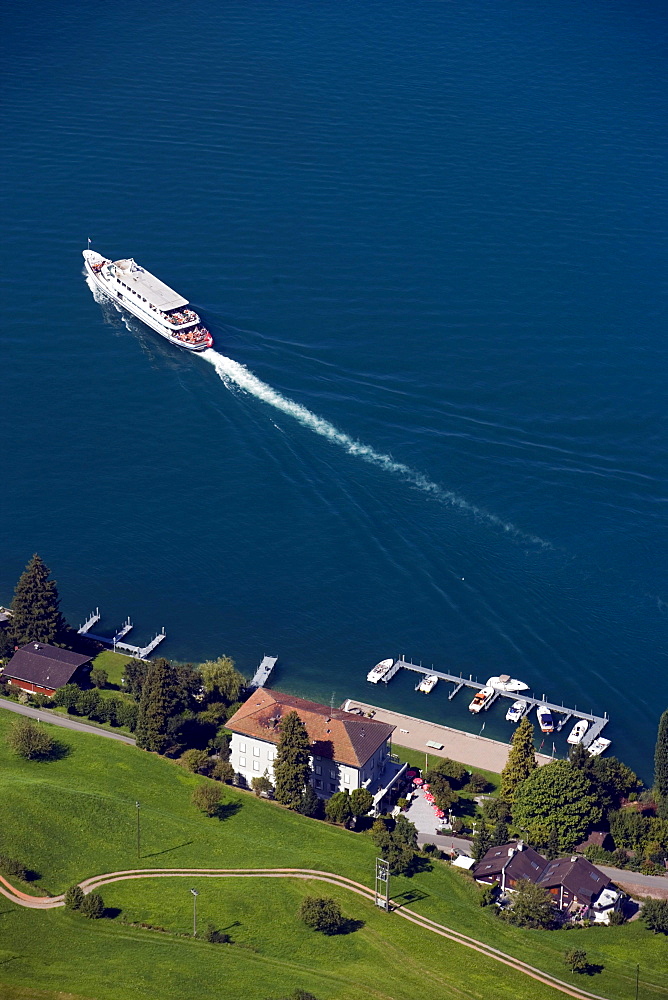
{"x":74,"y":817}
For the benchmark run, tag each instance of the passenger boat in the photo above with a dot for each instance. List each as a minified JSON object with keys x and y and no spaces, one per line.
{"x":598,"y":746}
{"x":516,"y":711}
{"x":507,"y":683}
{"x":577,"y":732}
{"x":378,"y":672}
{"x":427,"y":684}
{"x":149,"y":299}
{"x":481,"y":699}
{"x":545,"y":720}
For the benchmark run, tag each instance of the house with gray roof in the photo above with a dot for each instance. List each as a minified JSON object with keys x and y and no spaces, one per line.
{"x":40,"y":668}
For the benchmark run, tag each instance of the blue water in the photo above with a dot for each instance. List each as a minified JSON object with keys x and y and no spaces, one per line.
{"x":430,"y":241}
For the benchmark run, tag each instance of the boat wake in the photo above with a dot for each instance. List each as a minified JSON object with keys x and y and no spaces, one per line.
{"x":232,"y":373}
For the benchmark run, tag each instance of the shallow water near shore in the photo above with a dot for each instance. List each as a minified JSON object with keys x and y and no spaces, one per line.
{"x":429,"y":241}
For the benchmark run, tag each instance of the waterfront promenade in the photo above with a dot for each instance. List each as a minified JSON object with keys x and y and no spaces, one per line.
{"x":467,"y":748}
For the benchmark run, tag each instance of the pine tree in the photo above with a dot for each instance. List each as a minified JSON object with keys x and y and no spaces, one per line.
{"x":292,"y":767}
{"x":157,"y":705}
{"x":481,"y":841}
{"x":521,"y":760}
{"x":500,"y":834}
{"x":36,"y":606}
{"x":661,"y":766}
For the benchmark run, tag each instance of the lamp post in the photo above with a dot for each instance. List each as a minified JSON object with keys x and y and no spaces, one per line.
{"x":637,"y":979}
{"x":195,"y":895}
{"x":138,"y":831}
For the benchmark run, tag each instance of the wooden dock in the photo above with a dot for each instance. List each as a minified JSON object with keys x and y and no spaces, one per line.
{"x":261,"y":675}
{"x":116,"y":641}
{"x":596,"y":722}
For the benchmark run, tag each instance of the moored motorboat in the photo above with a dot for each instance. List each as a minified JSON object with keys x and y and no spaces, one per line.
{"x":577,"y":732}
{"x":378,"y":672}
{"x":598,"y":746}
{"x":149,"y":299}
{"x":482,"y":699}
{"x":427,"y":684}
{"x":545,"y":720}
{"x":516,"y":711}
{"x":507,"y":683}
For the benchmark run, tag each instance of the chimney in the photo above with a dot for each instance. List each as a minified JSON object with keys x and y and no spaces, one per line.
{"x":574,"y":858}
{"x":511,"y":852}
{"x":520,"y":845}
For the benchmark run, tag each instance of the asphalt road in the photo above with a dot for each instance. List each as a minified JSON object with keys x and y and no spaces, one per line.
{"x":64,"y":721}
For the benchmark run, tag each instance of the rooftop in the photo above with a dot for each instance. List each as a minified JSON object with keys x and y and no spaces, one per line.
{"x":44,"y":665}
{"x":334,"y":734}
{"x":156,"y":292}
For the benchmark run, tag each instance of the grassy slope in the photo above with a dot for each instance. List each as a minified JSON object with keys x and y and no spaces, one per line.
{"x":75,"y":817}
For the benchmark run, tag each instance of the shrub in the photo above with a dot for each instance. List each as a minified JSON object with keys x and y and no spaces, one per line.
{"x":41,"y":700}
{"x":402,"y":803}
{"x":27,"y":739}
{"x":361,"y":801}
{"x":74,"y":897}
{"x":576,"y":960}
{"x":322,"y":914}
{"x":214,"y":936}
{"x":616,"y":918}
{"x":87,"y":702}
{"x":477,"y":783}
{"x":207,"y":798}
{"x":223,"y":771}
{"x":193,"y":760}
{"x":99,"y":677}
{"x":489,"y":894}
{"x":92,"y":906}
{"x":262,"y":785}
{"x":126,"y":714}
{"x":10,"y":866}
{"x":338,"y":808}
{"x":310,"y":803}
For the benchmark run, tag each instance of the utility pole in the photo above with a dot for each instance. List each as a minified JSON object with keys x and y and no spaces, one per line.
{"x":195,"y":895}
{"x":138,"y":831}
{"x":637,"y":979}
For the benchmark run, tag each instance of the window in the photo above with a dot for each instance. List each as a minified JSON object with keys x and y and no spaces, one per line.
{"x":371,"y":763}
{"x":332,"y":774}
{"x":256,"y":765}
{"x":256,"y":751}
{"x":242,"y":747}
{"x":318,"y":783}
{"x":346,"y":778}
{"x":332,"y":786}
{"x":271,"y":755}
{"x":242,"y":762}
{"x":318,"y":769}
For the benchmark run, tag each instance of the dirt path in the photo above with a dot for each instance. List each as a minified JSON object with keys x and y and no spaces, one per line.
{"x":97,"y":881}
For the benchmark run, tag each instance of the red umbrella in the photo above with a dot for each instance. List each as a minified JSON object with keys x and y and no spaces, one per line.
{"x":440,"y":813}
{"x":418,"y":781}
{"x":429,"y":797}
{"x":426,"y":787}
{"x":411,"y":774}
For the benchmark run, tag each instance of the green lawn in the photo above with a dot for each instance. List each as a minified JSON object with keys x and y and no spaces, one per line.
{"x":113,"y":663}
{"x":416,"y":758}
{"x":76,"y":817}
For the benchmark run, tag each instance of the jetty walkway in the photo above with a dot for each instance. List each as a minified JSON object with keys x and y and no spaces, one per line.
{"x":475,"y":751}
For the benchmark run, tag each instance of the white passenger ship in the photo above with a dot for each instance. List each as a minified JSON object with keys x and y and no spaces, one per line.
{"x":149,"y":299}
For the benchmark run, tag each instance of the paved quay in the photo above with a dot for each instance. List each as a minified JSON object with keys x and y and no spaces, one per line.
{"x":467,"y":748}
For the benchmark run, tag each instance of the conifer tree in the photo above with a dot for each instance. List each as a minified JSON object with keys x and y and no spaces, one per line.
{"x":292,"y":767}
{"x":36,"y":606}
{"x":521,"y":760}
{"x":481,"y":841}
{"x":661,"y":766}
{"x":157,"y":705}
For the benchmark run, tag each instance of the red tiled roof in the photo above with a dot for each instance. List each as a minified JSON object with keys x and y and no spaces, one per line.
{"x":334,"y":734}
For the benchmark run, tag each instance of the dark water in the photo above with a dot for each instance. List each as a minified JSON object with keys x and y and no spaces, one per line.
{"x":435,"y":236}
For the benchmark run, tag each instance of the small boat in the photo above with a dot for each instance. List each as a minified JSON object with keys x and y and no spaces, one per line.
{"x":378,"y":672}
{"x":482,"y":699}
{"x":598,"y":746}
{"x":545,"y":720}
{"x":577,"y":732}
{"x":507,"y":683}
{"x":427,"y":684}
{"x":516,"y":711}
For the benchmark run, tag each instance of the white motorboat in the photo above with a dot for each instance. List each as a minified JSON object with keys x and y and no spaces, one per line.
{"x":482,"y":699}
{"x":545,"y":720}
{"x":427,"y":684}
{"x":507,"y":683}
{"x":378,"y":672}
{"x":149,"y":299}
{"x":577,"y":732}
{"x":598,"y":746}
{"x":516,"y":711}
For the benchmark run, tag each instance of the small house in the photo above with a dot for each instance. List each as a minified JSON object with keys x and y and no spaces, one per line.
{"x":41,"y":669}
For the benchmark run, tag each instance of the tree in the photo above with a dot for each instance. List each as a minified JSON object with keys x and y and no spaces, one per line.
{"x":477,"y":783}
{"x":158,"y":703}
{"x":311,"y":803}
{"x":397,"y":848}
{"x":194,"y":760}
{"x":36,"y":607}
{"x":30,"y":740}
{"x":66,"y":697}
{"x":262,"y":785}
{"x":361,"y":801}
{"x":87,"y":702}
{"x":500,"y":833}
{"x":223,"y":771}
{"x":292,"y":767}
{"x":74,"y":897}
{"x":532,"y":906}
{"x":405,"y":832}
{"x":208,"y":798}
{"x":556,"y":795}
{"x":552,"y":846}
{"x":10,"y":866}
{"x":322,"y":914}
{"x":613,"y":780}
{"x":126,"y":714}
{"x":655,"y":914}
{"x":99,"y":677}
{"x":92,"y":906}
{"x":576,"y":960}
{"x":134,"y":675}
{"x":481,"y":841}
{"x":455,"y":773}
{"x":222,"y":680}
{"x":629,"y":829}
{"x":338,"y":808}
{"x":521,"y":760}
{"x":661,"y":766}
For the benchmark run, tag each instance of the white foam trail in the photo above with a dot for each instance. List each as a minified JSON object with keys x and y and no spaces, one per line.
{"x":231,"y":371}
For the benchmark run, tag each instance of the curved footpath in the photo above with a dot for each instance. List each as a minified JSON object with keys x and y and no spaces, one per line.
{"x":97,"y":881}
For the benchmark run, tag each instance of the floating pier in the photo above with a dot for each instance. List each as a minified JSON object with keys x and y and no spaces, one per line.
{"x":261,"y":675}
{"x":116,"y":641}
{"x":596,"y":722}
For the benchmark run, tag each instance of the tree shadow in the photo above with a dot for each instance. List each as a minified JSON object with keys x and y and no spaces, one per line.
{"x":419,"y":865}
{"x":59,"y":751}
{"x":410,"y":896}
{"x":591,"y":969}
{"x":155,"y":854}
{"x":226,"y":810}
{"x":350,"y":926}
{"x":31,"y":875}
{"x":111,"y":912}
